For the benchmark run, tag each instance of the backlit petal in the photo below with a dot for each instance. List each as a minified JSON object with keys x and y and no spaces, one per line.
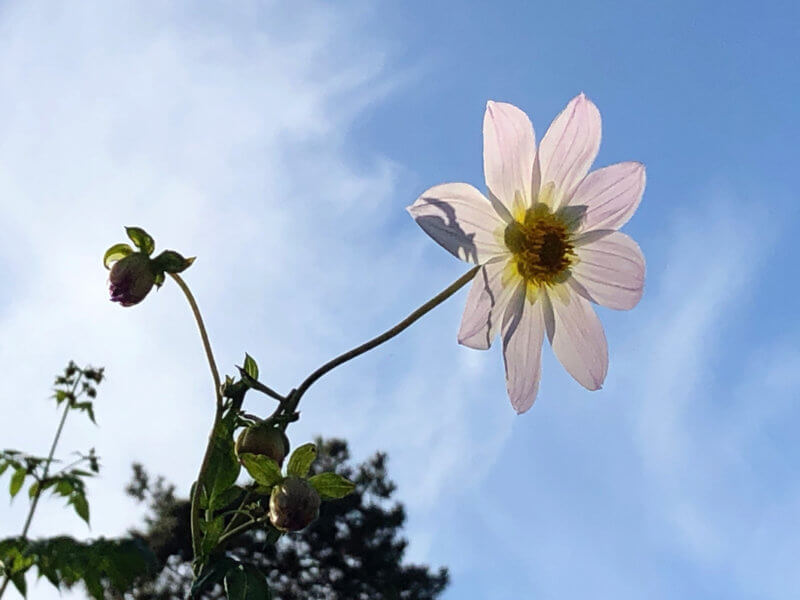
{"x":610,"y":271}
{"x":577,"y":337}
{"x":486,"y":303}
{"x":569,"y":148}
{"x":523,"y":333}
{"x":461,"y":220}
{"x":610,"y":196}
{"x":509,"y":149}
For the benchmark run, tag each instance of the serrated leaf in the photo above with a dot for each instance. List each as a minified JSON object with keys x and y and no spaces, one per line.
{"x":262,"y":468}
{"x":78,"y":501}
{"x":331,"y":485}
{"x":141,"y":239}
{"x":17,"y":479}
{"x":250,"y":366}
{"x":115,"y":253}
{"x":245,"y":582}
{"x":301,"y":459}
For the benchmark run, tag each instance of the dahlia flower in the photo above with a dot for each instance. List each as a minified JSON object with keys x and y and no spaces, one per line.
{"x":547,"y":241}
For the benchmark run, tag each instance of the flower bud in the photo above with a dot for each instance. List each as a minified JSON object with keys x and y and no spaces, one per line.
{"x":265,"y":440}
{"x":293,"y":504}
{"x":131,"y":279}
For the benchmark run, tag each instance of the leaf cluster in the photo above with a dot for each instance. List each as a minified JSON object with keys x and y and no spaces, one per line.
{"x":353,"y":550}
{"x":100,"y":565}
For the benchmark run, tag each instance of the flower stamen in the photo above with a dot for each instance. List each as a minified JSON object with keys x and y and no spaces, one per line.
{"x":541,"y":245}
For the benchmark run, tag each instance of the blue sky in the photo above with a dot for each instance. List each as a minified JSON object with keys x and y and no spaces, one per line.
{"x":281,"y":146}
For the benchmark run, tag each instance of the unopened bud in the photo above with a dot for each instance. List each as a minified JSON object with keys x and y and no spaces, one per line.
{"x":293,"y":504}
{"x":131,"y":279}
{"x":264,"y":440}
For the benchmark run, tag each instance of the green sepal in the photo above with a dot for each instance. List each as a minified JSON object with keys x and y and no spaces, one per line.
{"x":159,"y":279}
{"x":115,"y":253}
{"x":172,"y":262}
{"x":246,"y":582}
{"x":141,"y":239}
{"x":331,"y":486}
{"x":263,"y":469}
{"x":301,"y":459}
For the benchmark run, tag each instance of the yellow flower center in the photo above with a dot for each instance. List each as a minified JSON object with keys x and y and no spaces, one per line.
{"x":541,"y":245}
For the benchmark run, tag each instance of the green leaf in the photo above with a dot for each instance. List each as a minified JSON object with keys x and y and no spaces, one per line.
{"x":87,"y":408}
{"x":3,"y":467}
{"x":141,"y":239}
{"x":223,"y":468}
{"x":33,"y":490}
{"x":262,"y":468}
{"x":331,"y":485}
{"x":213,"y":530}
{"x":250,"y":366}
{"x":115,"y":253}
{"x":301,"y":459}
{"x":226,"y":497}
{"x":17,"y":479}
{"x":245,"y":582}
{"x":78,"y":501}
{"x":172,"y":262}
{"x":18,"y":579}
{"x":211,"y":574}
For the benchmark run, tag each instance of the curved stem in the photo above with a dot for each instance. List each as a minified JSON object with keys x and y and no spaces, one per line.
{"x":203,"y":335}
{"x":195,"y":506}
{"x":294,"y":397}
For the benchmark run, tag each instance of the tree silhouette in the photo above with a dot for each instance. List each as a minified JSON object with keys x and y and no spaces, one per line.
{"x":352,"y":552}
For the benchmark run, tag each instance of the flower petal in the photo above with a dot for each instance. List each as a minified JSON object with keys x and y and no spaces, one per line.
{"x":569,"y":148}
{"x":523,"y":333}
{"x":509,"y":149}
{"x":610,"y":271}
{"x":486,"y":302}
{"x":577,"y":337}
{"x":461,"y":220}
{"x":610,"y":195}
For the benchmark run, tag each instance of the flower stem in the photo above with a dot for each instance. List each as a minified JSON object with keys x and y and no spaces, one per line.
{"x":212,"y":364}
{"x":46,"y":472}
{"x":195,"y":507}
{"x":293,"y":399}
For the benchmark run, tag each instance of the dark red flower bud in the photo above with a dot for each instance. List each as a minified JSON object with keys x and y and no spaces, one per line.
{"x":131,"y":279}
{"x":265,"y":440}
{"x":293,"y":504}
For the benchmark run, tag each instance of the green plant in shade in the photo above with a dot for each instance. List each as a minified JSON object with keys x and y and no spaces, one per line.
{"x":99,"y":564}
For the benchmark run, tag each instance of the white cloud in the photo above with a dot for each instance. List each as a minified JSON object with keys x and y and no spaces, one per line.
{"x":226,"y":136}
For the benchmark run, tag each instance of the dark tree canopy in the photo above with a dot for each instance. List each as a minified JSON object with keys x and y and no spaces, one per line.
{"x":352,"y":552}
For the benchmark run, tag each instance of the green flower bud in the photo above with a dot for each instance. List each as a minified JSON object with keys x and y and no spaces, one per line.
{"x":293,"y":504}
{"x":131,"y":279}
{"x":263,"y":439}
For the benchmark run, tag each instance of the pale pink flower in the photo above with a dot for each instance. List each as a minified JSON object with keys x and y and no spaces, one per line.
{"x":547,"y":240}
